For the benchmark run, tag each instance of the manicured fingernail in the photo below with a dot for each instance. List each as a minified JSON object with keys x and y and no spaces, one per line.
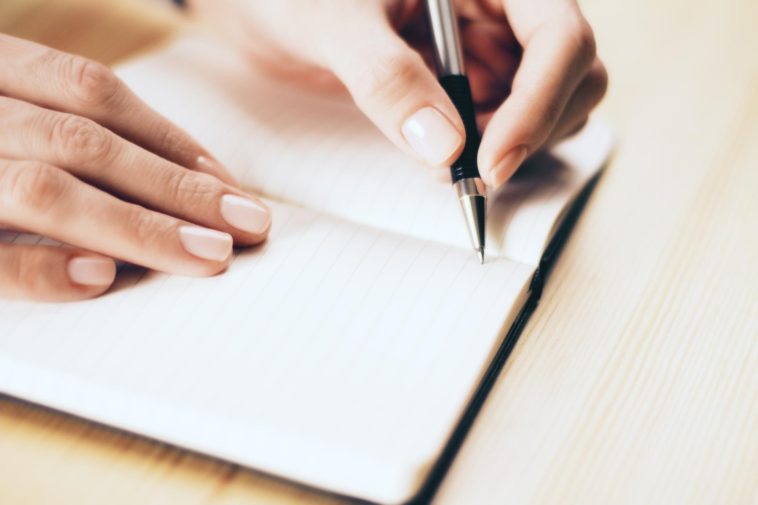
{"x":431,"y":135}
{"x":503,"y":170}
{"x":206,"y":243}
{"x":213,"y":167}
{"x":91,"y":271}
{"x":245,"y":214}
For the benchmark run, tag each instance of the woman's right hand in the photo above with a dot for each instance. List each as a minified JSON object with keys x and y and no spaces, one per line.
{"x":86,"y":162}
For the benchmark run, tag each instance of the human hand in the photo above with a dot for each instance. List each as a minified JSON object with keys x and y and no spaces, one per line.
{"x":534,"y":73}
{"x":85,"y":162}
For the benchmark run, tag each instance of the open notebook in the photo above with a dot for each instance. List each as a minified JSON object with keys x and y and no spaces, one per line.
{"x":343,"y":352}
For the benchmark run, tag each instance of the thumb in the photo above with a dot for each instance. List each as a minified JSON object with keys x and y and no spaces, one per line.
{"x":392,"y":85}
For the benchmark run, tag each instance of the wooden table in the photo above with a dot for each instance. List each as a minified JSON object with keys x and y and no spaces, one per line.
{"x":636,"y":381}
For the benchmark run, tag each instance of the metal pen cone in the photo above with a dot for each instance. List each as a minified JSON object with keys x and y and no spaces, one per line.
{"x":473,"y":212}
{"x":473,"y":204}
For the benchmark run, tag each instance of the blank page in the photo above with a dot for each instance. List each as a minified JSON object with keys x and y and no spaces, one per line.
{"x":319,"y":151}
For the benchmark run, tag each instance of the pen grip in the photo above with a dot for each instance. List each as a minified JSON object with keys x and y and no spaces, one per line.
{"x":459,"y":91}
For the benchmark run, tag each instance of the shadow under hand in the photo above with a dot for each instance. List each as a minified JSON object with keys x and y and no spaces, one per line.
{"x":540,"y":177}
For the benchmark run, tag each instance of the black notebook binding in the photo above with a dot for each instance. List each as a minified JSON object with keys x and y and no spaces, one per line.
{"x":474,"y":406}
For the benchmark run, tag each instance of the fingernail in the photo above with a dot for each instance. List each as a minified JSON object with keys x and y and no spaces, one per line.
{"x":205,"y":243}
{"x":431,"y":135}
{"x":91,"y":271}
{"x":245,"y":214}
{"x":213,"y":167}
{"x":503,"y":170}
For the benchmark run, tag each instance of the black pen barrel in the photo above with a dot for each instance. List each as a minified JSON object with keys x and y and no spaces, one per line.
{"x":459,"y":91}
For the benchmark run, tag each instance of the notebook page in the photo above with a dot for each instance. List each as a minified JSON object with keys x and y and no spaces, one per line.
{"x":337,"y":354}
{"x":319,"y":151}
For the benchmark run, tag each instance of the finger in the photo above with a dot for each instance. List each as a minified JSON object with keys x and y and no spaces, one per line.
{"x":392,"y":85}
{"x":46,"y":273}
{"x":51,"y":202}
{"x":558,"y":50}
{"x":97,"y":155}
{"x":74,"y":84}
{"x":483,"y":119}
{"x":587,"y":95}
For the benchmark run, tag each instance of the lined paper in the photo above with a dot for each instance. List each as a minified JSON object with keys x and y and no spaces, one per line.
{"x":319,"y":151}
{"x":342,"y":351}
{"x":336,"y":354}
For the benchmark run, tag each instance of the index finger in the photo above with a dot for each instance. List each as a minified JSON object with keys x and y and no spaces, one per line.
{"x":70,"y":83}
{"x":558,"y":50}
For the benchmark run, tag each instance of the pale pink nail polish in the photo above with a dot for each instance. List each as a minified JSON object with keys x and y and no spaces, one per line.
{"x":431,"y":135}
{"x":503,"y":170}
{"x":91,"y":270}
{"x":245,"y":214}
{"x":213,"y":167}
{"x":206,"y":243}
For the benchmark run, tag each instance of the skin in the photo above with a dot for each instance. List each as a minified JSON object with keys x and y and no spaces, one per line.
{"x":85,"y":162}
{"x":532,"y":64}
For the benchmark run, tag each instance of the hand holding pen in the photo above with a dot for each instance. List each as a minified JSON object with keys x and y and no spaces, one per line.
{"x":532,"y":66}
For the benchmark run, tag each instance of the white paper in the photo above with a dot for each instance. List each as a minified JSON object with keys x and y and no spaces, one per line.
{"x":342,"y":352}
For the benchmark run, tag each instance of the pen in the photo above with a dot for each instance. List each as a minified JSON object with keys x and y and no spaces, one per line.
{"x":448,"y":57}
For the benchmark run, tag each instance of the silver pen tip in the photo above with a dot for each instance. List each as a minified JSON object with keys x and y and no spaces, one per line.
{"x":474,"y":206}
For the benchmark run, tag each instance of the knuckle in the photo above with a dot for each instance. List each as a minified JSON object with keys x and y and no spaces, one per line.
{"x":81,"y":139}
{"x":145,"y":226}
{"x":51,"y":58}
{"x":172,"y":140}
{"x":193,"y":187}
{"x":31,"y":185}
{"x":92,"y":83}
{"x":166,"y":136}
{"x":389,"y":75}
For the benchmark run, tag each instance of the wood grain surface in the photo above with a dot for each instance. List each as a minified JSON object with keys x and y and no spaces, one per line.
{"x":636,"y":380}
